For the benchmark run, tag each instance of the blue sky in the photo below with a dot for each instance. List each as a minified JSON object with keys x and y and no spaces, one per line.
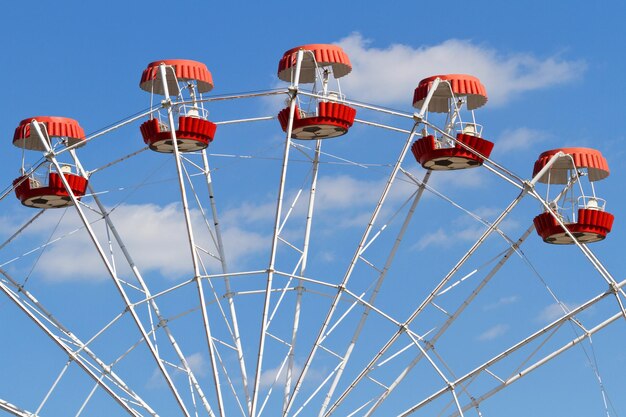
{"x":553,"y":73}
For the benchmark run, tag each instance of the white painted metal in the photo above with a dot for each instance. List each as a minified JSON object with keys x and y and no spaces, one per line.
{"x":230,"y":299}
{"x":375,"y":291}
{"x":279,"y":205}
{"x":50,"y":155}
{"x":351,"y":266}
{"x":192,"y":244}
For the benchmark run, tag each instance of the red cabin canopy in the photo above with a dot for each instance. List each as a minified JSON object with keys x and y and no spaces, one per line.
{"x":459,"y":84}
{"x":184,"y":69}
{"x":57,"y":127}
{"x":325,"y":55}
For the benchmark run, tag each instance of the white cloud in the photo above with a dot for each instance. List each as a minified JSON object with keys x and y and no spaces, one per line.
{"x":519,"y":139}
{"x":155,"y":236}
{"x":198,"y":364}
{"x":493,"y":333}
{"x":502,"y":301}
{"x":280,"y":376}
{"x":464,"y":229}
{"x":554,"y":311}
{"x":389,"y":75}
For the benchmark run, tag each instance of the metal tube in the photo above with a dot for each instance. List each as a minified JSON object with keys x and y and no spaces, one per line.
{"x":305,"y":251}
{"x":373,"y":296}
{"x":277,"y":220}
{"x":352,"y":265}
{"x":231,"y":301}
{"x":51,"y":156}
{"x":192,"y":245}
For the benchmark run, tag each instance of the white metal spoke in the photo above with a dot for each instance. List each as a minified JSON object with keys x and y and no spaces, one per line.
{"x":351,"y":266}
{"x":277,"y":221}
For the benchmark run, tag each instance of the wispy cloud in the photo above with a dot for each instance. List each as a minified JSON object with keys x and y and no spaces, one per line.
{"x":554,"y":311}
{"x":502,"y":301}
{"x":463,"y":229}
{"x":155,"y":236}
{"x":389,"y":75}
{"x":493,"y":333}
{"x":519,"y":139}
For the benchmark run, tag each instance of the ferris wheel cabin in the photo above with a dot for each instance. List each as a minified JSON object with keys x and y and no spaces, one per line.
{"x":186,"y":80}
{"x":468,"y":149}
{"x":580,"y":211}
{"x":322,"y":115}
{"x":44,"y":188}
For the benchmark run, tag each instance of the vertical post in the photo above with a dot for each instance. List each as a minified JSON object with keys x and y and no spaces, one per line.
{"x":374,"y":295}
{"x":51,"y":157}
{"x":229,"y":295}
{"x":144,"y":287}
{"x":279,"y":205}
{"x":305,"y":251}
{"x":192,"y":245}
{"x":418,"y":117}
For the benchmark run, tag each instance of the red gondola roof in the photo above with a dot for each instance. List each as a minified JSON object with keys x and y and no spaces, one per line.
{"x":185,"y":70}
{"x":325,"y":55}
{"x":591,"y":159}
{"x":461,"y":84}
{"x":56,"y":127}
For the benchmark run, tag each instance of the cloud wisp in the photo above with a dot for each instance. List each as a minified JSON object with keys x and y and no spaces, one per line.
{"x":389,"y":75}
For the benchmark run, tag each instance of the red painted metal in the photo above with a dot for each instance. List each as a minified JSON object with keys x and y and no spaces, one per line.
{"x":185,"y":70}
{"x":57,"y":127}
{"x":52,"y":195}
{"x":332,"y":120}
{"x":430,"y":156}
{"x":592,"y":226}
{"x":459,"y":84}
{"x":559,"y":173}
{"x":193,"y":134}
{"x":325,"y":55}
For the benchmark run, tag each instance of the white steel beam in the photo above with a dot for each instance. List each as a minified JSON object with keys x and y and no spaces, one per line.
{"x":277,"y":221}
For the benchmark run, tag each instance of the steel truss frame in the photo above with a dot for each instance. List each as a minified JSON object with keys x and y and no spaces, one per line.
{"x":253,"y":404}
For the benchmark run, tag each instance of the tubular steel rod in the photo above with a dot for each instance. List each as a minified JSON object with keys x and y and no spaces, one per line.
{"x":431,"y":342}
{"x":376,"y":290}
{"x":300,"y":288}
{"x":51,"y":156}
{"x":71,"y":354}
{"x":149,"y":297}
{"x":224,"y":264}
{"x":351,"y":266}
{"x":518,"y":346}
{"x":277,"y":221}
{"x":192,"y":245}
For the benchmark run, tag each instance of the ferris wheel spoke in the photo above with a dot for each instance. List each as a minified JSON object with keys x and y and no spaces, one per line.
{"x":450,"y":320}
{"x":430,"y":297}
{"x":348,"y":274}
{"x":538,"y":334}
{"x":517,"y":376}
{"x":276,"y":231}
{"x":109,"y":268}
{"x":14,"y":410}
{"x":96,"y":370}
{"x":375,"y":292}
{"x":149,"y":299}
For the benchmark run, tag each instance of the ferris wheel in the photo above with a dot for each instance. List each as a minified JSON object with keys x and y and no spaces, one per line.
{"x":223,"y":273}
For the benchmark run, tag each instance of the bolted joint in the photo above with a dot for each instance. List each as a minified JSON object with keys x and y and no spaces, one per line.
{"x":404,"y":327}
{"x":341,"y":288}
{"x":528,"y":186}
{"x":419,"y":118}
{"x":166,"y":103}
{"x":292,"y":90}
